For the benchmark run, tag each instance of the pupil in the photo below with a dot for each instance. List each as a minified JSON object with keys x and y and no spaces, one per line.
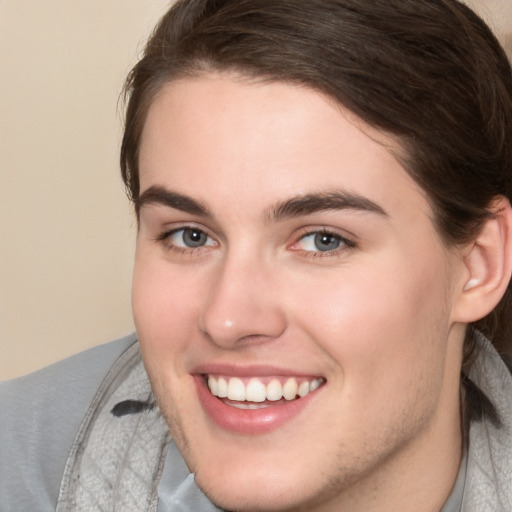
{"x":325,"y":242}
{"x":194,"y":238}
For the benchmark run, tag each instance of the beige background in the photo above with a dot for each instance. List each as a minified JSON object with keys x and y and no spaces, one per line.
{"x":66,"y":229}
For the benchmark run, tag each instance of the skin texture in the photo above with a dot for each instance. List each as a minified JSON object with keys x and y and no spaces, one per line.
{"x":374,"y":317}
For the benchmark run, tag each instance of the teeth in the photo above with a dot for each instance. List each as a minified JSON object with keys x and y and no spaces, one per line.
{"x":303,"y":389}
{"x":315,"y":384}
{"x":256,"y":391}
{"x":290,"y":389}
{"x":236,"y":389}
{"x":274,"y":390}
{"x":247,"y":405}
{"x":222,"y":389}
{"x":213,"y":385}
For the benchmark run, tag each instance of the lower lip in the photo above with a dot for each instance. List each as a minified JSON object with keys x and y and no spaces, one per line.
{"x":249,"y":421}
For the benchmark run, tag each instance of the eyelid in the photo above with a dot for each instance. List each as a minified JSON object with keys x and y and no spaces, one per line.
{"x":166,"y":234}
{"x":347,"y":242}
{"x":169,"y":228}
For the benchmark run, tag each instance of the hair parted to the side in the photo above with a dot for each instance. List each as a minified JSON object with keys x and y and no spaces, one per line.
{"x":428,"y":72}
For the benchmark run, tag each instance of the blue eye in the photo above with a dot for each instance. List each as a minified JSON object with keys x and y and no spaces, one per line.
{"x":190,"y":238}
{"x":322,"y":241}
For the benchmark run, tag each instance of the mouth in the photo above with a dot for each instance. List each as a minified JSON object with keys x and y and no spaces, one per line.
{"x":256,"y":392}
{"x":255,"y":404}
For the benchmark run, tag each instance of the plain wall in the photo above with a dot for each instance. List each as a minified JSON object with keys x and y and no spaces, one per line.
{"x":66,"y":228}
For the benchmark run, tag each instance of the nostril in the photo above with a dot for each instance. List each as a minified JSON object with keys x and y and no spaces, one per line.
{"x":237,"y":312}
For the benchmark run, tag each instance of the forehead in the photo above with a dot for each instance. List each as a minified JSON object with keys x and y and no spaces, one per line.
{"x":217,"y":134}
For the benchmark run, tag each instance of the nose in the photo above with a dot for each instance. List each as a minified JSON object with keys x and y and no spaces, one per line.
{"x":242,"y":305}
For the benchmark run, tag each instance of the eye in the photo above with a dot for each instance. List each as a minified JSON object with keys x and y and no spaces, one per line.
{"x":323,"y":242}
{"x":188,"y":238}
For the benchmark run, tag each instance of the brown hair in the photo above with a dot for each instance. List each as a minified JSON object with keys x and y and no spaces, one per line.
{"x":430,"y":73}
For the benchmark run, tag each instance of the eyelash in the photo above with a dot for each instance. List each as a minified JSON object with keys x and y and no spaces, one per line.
{"x":165,"y":240}
{"x":345,"y":243}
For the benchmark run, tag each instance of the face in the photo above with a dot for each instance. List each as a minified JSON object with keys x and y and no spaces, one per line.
{"x":292,"y":298}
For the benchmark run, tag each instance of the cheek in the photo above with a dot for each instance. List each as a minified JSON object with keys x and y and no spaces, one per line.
{"x":385,"y":324}
{"x":164,"y":319}
{"x":163,"y":306}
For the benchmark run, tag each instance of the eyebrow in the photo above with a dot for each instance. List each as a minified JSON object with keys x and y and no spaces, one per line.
{"x":293,"y":207}
{"x":162,"y":196}
{"x":322,"y":202}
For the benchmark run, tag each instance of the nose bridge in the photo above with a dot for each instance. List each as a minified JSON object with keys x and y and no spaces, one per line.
{"x":242,"y":303}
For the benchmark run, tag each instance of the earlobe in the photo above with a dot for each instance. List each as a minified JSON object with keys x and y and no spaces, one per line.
{"x":488,"y":262}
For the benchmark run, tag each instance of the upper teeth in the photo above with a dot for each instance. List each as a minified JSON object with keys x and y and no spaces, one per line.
{"x":255,"y":390}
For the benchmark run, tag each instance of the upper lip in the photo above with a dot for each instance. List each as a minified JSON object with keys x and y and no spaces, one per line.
{"x":258,"y":370}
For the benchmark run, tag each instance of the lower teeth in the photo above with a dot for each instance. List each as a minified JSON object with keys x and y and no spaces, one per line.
{"x":246,"y":405}
{"x":253,"y":405}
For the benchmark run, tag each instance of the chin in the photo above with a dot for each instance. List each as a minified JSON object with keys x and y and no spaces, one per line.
{"x":264,"y":486}
{"x":252,"y":495}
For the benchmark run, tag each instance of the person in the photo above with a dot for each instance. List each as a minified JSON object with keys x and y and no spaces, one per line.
{"x":321,"y":289}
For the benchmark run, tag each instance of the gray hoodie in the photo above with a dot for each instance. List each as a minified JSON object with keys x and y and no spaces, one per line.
{"x":86,"y":434}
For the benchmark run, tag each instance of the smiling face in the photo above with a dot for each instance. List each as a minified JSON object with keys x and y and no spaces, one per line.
{"x":294,"y":302}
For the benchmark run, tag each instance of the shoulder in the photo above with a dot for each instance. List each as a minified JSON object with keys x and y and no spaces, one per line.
{"x":40,"y":416}
{"x":489,"y":467}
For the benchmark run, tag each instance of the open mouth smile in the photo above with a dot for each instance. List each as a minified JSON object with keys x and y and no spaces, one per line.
{"x":255,"y":405}
{"x":259,"y":390}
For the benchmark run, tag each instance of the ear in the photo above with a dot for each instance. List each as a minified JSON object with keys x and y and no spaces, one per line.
{"x":488,"y":265}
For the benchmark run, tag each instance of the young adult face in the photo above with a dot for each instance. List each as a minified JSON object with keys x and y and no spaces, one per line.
{"x":283,"y":248}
